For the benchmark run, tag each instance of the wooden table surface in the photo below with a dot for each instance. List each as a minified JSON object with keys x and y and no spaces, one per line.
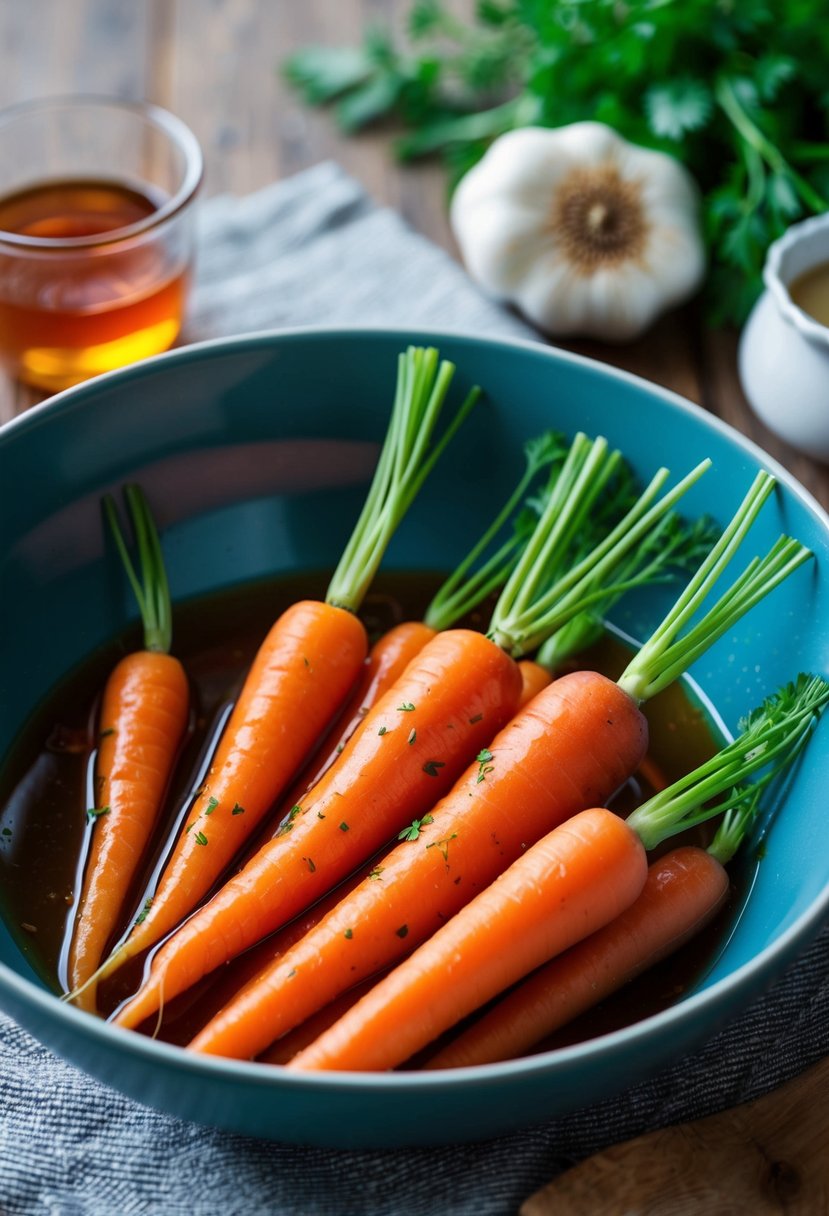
{"x":214,"y":63}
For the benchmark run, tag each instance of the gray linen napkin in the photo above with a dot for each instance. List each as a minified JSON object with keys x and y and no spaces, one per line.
{"x":314,"y":249}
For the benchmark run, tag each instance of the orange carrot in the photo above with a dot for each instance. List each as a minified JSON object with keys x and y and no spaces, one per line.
{"x":303,"y":671}
{"x":411,"y":747}
{"x":573,"y":744}
{"x":295,"y":1041}
{"x":558,"y":893}
{"x":568,"y":749}
{"x":385,"y":774}
{"x":143,"y":719}
{"x":569,"y":884}
{"x":464,"y":590}
{"x":388,"y":659}
{"x":683,"y":892}
{"x":534,"y":677}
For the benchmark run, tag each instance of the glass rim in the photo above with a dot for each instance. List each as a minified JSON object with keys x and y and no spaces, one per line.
{"x":163,"y":120}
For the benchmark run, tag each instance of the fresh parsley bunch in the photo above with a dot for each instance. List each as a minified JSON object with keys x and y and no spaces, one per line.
{"x":736,"y":89}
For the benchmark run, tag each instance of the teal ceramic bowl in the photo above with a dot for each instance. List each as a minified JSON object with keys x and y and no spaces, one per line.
{"x":256,"y":453}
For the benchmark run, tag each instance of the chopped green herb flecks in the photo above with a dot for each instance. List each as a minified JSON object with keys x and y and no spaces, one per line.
{"x":349,"y":933}
{"x":320,"y":815}
{"x":443,"y":845}
{"x":104,"y":734}
{"x":431,"y":767}
{"x":483,"y":761}
{"x":238,"y":810}
{"x":7,"y":831}
{"x":477,"y":718}
{"x":142,"y":915}
{"x":343,"y":827}
{"x":95,"y":812}
{"x":382,"y":730}
{"x":211,"y":806}
{"x":291,"y":974}
{"x":406,"y":707}
{"x":412,"y":737}
{"x":376,"y":872}
{"x":412,"y":832}
{"x":402,"y":931}
{"x":200,"y":838}
{"x":289,"y":820}
{"x":310,"y":864}
{"x":339,"y":748}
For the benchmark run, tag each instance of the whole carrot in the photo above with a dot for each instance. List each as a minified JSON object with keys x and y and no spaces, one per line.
{"x":143,"y":718}
{"x":303,"y":671}
{"x":562,"y":890}
{"x":684,"y":890}
{"x":568,"y":749}
{"x":453,"y":697}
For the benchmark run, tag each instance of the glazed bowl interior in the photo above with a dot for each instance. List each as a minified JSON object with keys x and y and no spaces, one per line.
{"x":256,"y":454}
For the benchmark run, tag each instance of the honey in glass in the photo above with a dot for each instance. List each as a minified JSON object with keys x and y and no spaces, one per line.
{"x":96,"y":235}
{"x":92,"y":307}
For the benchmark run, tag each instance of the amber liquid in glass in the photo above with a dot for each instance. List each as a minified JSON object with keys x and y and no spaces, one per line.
{"x":70,"y":313}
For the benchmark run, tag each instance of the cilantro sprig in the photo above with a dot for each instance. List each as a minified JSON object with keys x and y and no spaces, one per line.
{"x":735,"y":91}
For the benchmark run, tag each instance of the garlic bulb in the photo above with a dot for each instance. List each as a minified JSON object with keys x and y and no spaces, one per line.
{"x":583,"y":231}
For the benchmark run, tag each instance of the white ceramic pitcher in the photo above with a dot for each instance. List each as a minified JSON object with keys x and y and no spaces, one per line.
{"x":784,"y":352}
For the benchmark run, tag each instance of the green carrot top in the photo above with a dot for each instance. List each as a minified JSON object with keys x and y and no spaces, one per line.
{"x":490,"y":561}
{"x":771,"y":737}
{"x":669,"y":651}
{"x":152,"y":592}
{"x":553,"y":580}
{"x":406,"y":459}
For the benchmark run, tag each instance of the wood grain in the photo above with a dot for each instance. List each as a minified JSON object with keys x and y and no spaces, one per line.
{"x":765,"y":1158}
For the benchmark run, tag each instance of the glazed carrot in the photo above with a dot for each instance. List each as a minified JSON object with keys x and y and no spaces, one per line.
{"x":143,"y":718}
{"x":476,"y":576}
{"x":536,"y":772}
{"x":569,"y":884}
{"x":388,"y":659}
{"x":303,"y":1036}
{"x":304,"y":669}
{"x":451,"y":700}
{"x":563,"y":889}
{"x":683,"y":892}
{"x":567,"y":749}
{"x":534,"y":677}
{"x":355,"y":807}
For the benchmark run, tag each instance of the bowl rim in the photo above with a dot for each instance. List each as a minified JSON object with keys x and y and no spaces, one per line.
{"x":758,"y":971}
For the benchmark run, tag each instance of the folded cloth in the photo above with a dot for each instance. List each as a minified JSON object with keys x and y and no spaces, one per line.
{"x":314,"y":249}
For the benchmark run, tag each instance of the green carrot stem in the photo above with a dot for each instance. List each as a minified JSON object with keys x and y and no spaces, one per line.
{"x":463,"y":591}
{"x":773,"y":732}
{"x":672,"y":546}
{"x":150,"y":587}
{"x":666,"y":654}
{"x":521,"y":626}
{"x":406,"y":459}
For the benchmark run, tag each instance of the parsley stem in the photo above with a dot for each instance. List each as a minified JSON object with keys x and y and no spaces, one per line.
{"x":406,"y":459}
{"x":150,"y":587}
{"x":752,"y":135}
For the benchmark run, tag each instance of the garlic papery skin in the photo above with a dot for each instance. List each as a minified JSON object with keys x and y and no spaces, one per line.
{"x":586,"y":233}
